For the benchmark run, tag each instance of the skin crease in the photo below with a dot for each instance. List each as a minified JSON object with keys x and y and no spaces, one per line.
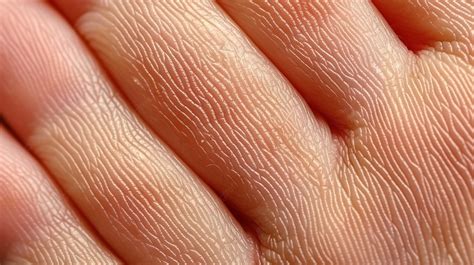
{"x":37,"y":226}
{"x":424,"y":105}
{"x":241,"y":127}
{"x":141,"y":199}
{"x":421,"y":24}
{"x":420,"y":156}
{"x":379,"y":173}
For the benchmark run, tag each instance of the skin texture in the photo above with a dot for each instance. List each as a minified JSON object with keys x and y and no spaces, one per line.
{"x":37,"y":224}
{"x":241,"y":127}
{"x":413,"y":97}
{"x":423,"y":24}
{"x":243,"y":131}
{"x":142,"y":200}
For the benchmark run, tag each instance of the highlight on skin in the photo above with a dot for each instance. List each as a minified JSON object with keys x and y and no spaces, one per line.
{"x":236,"y":132}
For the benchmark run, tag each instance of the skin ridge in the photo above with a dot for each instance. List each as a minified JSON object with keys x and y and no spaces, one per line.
{"x":363,"y":196}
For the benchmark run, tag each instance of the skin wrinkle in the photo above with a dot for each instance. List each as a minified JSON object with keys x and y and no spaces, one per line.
{"x":57,"y":237}
{"x":105,"y":168}
{"x":423,"y":24}
{"x":397,"y":188}
{"x":371,"y":153}
{"x":185,"y":116}
{"x":336,"y":72}
{"x":128,"y":184}
{"x":407,"y":136}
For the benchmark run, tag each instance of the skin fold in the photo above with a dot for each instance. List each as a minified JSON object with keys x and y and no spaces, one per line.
{"x":236,"y":132}
{"x":38,"y":225}
{"x":147,"y":205}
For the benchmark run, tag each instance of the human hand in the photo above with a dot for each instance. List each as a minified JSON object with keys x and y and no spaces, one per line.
{"x":237,"y":132}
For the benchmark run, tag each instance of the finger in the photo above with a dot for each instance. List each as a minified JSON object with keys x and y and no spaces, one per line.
{"x":140,"y":198}
{"x":225,"y":110}
{"x":37,"y":225}
{"x":445,"y":25}
{"x":339,"y":54}
{"x":401,"y":164}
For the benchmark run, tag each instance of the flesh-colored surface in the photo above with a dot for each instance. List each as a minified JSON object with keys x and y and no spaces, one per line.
{"x":142,"y":200}
{"x":337,"y":132}
{"x":37,"y":225}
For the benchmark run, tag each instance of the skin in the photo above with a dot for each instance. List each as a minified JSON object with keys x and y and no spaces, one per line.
{"x":38,"y":225}
{"x":236,"y":132}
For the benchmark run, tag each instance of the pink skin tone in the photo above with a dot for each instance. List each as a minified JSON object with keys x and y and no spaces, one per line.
{"x":37,"y":223}
{"x":127,"y":180}
{"x":237,"y":131}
